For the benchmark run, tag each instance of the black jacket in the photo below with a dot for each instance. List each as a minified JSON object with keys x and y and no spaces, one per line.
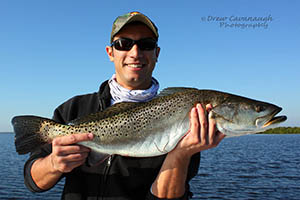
{"x":118,"y":177}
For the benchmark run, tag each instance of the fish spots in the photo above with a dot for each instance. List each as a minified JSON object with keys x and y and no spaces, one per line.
{"x":129,"y":121}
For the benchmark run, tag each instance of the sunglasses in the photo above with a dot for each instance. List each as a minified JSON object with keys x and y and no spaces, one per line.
{"x":125,"y":44}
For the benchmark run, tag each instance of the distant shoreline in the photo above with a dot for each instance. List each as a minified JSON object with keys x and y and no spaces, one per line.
{"x":283,"y":130}
{"x":276,"y":133}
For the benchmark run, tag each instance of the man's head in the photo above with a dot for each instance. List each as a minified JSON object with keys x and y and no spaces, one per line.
{"x":134,"y":50}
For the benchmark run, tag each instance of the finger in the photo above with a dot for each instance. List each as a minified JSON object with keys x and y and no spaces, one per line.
{"x":73,"y":139}
{"x":69,"y":162}
{"x":203,"y":123}
{"x":78,"y":157}
{"x":71,"y":149}
{"x":208,"y":107}
{"x":211,"y":131}
{"x":69,"y":166}
{"x":194,"y":123}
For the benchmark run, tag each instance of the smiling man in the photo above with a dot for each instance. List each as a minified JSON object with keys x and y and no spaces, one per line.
{"x":134,"y":52}
{"x":134,"y":64}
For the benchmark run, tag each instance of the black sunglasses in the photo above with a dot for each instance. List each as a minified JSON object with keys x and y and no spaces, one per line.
{"x":125,"y":44}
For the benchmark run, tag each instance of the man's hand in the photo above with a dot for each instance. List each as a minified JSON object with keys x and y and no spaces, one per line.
{"x":66,"y":155}
{"x":202,"y":134}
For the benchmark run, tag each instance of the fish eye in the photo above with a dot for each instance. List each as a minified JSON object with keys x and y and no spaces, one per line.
{"x":259,"y":108}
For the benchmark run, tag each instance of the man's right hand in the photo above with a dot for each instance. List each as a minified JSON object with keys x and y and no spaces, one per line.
{"x":65,"y":156}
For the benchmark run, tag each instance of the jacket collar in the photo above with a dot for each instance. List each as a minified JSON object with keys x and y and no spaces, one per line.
{"x":104,"y":95}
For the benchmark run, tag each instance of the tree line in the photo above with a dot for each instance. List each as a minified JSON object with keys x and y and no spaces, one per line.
{"x":282,"y":130}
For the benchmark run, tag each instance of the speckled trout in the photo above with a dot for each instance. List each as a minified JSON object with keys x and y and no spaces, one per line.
{"x":150,"y":128}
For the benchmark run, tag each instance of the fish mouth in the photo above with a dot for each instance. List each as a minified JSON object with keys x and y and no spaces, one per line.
{"x":275,"y":119}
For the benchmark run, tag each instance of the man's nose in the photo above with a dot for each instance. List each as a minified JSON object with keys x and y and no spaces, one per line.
{"x":135,"y":51}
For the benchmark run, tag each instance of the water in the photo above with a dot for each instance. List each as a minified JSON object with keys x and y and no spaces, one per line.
{"x":11,"y":174}
{"x":251,"y":167}
{"x":248,"y":167}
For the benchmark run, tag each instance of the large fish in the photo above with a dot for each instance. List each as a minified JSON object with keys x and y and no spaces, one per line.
{"x":150,"y":128}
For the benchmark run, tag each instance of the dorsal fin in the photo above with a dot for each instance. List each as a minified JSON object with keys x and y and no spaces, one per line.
{"x":109,"y":112}
{"x":172,"y":90}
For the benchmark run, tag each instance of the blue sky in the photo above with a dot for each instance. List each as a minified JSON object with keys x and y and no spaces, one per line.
{"x":53,"y":50}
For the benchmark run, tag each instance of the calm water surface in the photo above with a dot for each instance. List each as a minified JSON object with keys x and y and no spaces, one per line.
{"x":251,"y":167}
{"x":248,"y":167}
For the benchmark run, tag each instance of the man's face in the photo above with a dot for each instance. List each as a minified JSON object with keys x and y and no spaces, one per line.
{"x":134,"y":67}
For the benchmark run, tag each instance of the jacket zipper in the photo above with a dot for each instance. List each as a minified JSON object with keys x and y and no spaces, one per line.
{"x":104,"y":179}
{"x":102,"y":105}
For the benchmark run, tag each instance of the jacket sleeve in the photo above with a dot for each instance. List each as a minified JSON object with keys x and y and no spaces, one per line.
{"x":67,"y":111}
{"x":40,"y":153}
{"x":192,"y":172}
{"x":186,"y":196}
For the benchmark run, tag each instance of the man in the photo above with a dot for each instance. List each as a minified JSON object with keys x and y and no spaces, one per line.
{"x":134,"y":52}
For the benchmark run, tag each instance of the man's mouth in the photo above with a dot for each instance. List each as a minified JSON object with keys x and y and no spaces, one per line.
{"x":135,"y":65}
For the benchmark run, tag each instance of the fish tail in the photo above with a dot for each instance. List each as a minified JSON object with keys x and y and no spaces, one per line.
{"x":29,"y":133}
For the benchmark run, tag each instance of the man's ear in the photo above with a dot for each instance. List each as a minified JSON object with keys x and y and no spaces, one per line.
{"x":157,"y":52}
{"x":110,"y":53}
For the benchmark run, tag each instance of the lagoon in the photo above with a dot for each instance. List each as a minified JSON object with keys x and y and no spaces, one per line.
{"x":264,"y":166}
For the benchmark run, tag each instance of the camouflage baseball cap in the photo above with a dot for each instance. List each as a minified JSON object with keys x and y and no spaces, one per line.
{"x":122,"y":20}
